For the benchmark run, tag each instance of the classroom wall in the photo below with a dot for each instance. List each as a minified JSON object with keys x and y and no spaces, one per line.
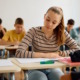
{"x":32,"y":11}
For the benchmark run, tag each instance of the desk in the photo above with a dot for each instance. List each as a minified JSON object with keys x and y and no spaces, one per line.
{"x":10,"y":48}
{"x":10,"y":69}
{"x":31,"y":66}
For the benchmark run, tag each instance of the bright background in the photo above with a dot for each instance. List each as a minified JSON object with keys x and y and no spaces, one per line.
{"x":32,"y":11}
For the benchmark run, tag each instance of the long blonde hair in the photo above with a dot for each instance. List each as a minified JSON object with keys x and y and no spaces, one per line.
{"x":59,"y":30}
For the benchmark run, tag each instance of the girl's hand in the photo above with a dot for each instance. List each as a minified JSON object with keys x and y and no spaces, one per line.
{"x":53,"y":55}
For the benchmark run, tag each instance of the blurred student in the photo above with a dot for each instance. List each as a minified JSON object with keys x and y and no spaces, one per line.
{"x":70,"y":30}
{"x":2,"y":33}
{"x":13,"y":37}
{"x":2,"y":29}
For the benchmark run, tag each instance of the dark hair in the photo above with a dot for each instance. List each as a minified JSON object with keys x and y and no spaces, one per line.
{"x":59,"y":30}
{"x":19,"y":21}
{"x":0,"y":21}
{"x":71,"y":22}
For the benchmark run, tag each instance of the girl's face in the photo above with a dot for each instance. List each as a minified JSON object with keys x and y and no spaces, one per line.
{"x":51,"y":20}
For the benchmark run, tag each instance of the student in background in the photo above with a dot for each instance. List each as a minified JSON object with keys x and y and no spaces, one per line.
{"x":13,"y":37}
{"x":70,"y":30}
{"x":46,"y":41}
{"x":2,"y":29}
{"x":2,"y":33}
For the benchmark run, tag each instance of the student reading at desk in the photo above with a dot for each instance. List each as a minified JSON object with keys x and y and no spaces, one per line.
{"x":46,"y":41}
{"x":13,"y":37}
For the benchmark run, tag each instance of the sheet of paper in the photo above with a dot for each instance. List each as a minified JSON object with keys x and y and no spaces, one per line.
{"x":5,"y":63}
{"x":33,"y":60}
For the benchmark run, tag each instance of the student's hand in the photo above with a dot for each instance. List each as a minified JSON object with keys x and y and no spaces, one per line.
{"x":53,"y":55}
{"x":46,"y":55}
{"x":17,"y":43}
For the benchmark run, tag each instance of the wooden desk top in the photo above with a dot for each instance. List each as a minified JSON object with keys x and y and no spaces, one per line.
{"x":11,"y":47}
{"x":2,"y":47}
{"x":8,"y":47}
{"x":30,"y":66}
{"x":8,"y":69}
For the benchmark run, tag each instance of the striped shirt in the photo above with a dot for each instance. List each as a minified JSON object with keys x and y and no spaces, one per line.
{"x":40,"y":43}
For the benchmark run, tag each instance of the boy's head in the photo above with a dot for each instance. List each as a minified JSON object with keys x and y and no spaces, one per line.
{"x":0,"y":21}
{"x":70,"y":23}
{"x":19,"y":25}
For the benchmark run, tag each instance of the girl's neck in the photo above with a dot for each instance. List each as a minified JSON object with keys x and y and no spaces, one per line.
{"x":47,"y":33}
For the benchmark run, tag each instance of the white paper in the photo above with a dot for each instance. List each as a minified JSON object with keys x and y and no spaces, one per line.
{"x":5,"y":63}
{"x":33,"y":60}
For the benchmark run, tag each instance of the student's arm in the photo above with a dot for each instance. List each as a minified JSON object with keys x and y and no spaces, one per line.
{"x":5,"y":40}
{"x":71,"y":43}
{"x":23,"y":46}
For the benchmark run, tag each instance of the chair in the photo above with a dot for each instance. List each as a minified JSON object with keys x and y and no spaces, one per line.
{"x":66,"y":77}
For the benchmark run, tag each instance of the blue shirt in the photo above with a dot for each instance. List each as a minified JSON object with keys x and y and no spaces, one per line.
{"x":73,"y":34}
{"x":78,"y":30}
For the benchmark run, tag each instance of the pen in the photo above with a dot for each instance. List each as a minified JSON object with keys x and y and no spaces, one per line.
{"x":47,"y":62}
